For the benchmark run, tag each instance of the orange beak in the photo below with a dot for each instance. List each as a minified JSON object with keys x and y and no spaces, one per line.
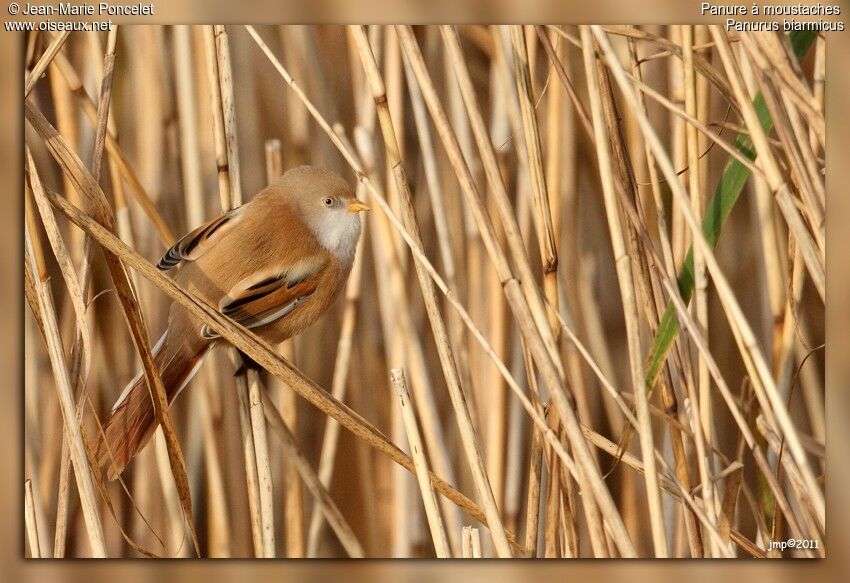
{"x":355,"y":206}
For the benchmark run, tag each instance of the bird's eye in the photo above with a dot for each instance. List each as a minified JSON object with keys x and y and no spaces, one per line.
{"x":328,"y":201}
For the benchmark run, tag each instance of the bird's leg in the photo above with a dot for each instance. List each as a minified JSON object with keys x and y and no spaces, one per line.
{"x":247,"y":363}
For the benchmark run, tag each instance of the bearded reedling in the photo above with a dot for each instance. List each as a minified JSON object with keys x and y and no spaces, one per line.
{"x":274,"y":265}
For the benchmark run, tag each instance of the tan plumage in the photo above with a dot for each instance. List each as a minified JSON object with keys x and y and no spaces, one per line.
{"x":274,"y":265}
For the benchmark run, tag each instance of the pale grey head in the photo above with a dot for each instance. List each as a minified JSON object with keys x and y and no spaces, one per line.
{"x":328,"y":207}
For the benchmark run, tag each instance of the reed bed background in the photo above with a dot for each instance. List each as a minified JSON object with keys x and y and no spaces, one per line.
{"x":586,"y":317}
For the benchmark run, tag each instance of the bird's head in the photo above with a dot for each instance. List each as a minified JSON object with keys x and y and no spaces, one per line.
{"x":328,"y":207}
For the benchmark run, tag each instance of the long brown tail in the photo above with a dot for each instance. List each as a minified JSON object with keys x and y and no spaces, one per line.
{"x":132,"y":421}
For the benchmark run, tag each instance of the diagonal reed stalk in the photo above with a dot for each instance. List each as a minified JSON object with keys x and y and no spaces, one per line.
{"x":260,"y":352}
{"x":561,"y":194}
{"x":456,"y":392}
{"x":764,"y":384}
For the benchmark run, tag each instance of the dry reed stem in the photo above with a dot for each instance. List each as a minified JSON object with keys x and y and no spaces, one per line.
{"x":264,"y":474}
{"x":550,"y":368}
{"x":257,"y":471}
{"x":293,"y":505}
{"x":114,"y":151}
{"x":700,"y":398}
{"x":41,"y":66}
{"x":456,"y":392}
{"x":471,"y":540}
{"x":225,"y":80}
{"x":30,"y":522}
{"x":624,"y":276}
{"x":219,"y":134}
{"x":82,"y":470}
{"x":252,"y":479}
{"x":435,"y":521}
{"x":104,"y":102}
{"x":743,"y":333}
{"x":766,"y":160}
{"x":248,"y":383}
{"x":94,"y":198}
{"x":219,"y":541}
{"x":531,"y":135}
{"x":532,"y":506}
{"x":259,"y":351}
{"x":512,"y":292}
{"x":311,"y":480}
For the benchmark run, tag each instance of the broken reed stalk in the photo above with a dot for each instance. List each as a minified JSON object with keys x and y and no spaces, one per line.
{"x":456,"y":391}
{"x":435,"y":521}
{"x":480,"y":71}
{"x":260,"y":352}
{"x":512,"y":291}
{"x":471,"y":543}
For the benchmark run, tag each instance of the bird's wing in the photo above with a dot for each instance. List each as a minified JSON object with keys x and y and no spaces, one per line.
{"x":271,"y":294}
{"x":195,"y":243}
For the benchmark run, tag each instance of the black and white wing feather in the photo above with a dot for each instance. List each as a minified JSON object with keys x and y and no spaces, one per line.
{"x":194,"y":244}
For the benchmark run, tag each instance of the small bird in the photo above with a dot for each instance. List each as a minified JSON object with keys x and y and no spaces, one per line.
{"x":274,"y":265}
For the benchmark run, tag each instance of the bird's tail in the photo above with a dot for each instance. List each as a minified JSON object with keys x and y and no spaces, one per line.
{"x":132,"y":421}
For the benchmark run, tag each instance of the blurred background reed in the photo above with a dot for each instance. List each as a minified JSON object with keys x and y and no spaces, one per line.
{"x":557,"y":178}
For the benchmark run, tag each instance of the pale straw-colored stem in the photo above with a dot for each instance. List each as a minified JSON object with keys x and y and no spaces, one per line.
{"x":459,"y":401}
{"x":41,"y":65}
{"x":513,"y":293}
{"x":30,"y":521}
{"x":414,"y":439}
